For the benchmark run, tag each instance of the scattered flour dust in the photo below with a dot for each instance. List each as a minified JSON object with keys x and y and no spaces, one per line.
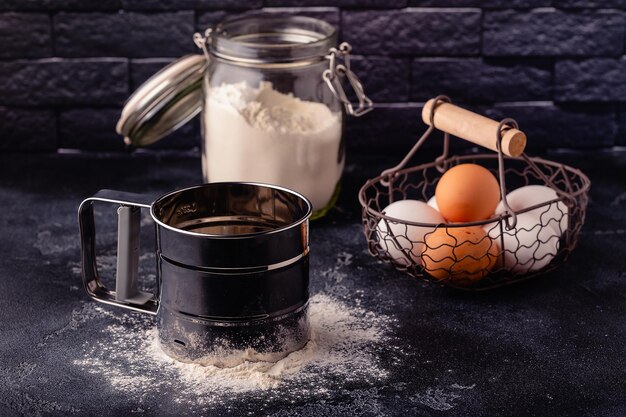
{"x":344,"y":347}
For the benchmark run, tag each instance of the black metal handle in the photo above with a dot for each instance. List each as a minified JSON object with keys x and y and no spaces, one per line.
{"x":126,"y":294}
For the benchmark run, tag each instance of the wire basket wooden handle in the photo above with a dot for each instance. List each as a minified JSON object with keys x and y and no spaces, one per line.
{"x":473,"y":127}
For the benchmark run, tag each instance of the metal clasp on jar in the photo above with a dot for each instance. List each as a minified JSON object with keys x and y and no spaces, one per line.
{"x":203,"y":42}
{"x":335,"y":73}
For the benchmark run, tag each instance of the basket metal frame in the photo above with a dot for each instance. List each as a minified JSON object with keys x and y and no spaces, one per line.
{"x":394,"y":178}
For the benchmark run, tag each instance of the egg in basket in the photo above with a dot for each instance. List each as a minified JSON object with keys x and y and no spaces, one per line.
{"x":476,"y":221}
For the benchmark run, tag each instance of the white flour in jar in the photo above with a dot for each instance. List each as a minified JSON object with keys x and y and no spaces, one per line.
{"x":262,"y":135}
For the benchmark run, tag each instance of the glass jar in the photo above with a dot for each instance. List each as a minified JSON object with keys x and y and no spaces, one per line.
{"x":272,"y":101}
{"x":271,"y":113}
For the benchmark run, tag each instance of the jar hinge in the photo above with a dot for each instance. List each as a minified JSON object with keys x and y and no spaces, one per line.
{"x":203,"y":42}
{"x":333,"y":76}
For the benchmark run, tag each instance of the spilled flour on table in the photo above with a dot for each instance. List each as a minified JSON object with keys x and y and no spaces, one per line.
{"x":345,"y":347}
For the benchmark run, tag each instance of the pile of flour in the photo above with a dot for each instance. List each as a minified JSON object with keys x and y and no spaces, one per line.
{"x":345,"y":346}
{"x":262,"y":135}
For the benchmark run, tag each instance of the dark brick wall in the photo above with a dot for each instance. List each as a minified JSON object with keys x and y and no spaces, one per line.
{"x":557,"y":66}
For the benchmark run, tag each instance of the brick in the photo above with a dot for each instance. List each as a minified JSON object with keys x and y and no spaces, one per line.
{"x":90,"y":129}
{"x":389,"y":127}
{"x":413,"y":31}
{"x":39,"y":5}
{"x":228,"y":4}
{"x":485,"y":4}
{"x":395,"y":128}
{"x":57,"y":81}
{"x":124,"y":34}
{"x":384,"y":79}
{"x":142,"y":69}
{"x":361,"y":4}
{"x":561,"y":126}
{"x":621,"y":123}
{"x":212,"y":18}
{"x":548,"y":32}
{"x":25,"y":35}
{"x":27,"y":130}
{"x":477,"y":80}
{"x":158,"y":4}
{"x":598,"y":79}
{"x":578,"y":4}
{"x":547,"y":126}
{"x":86,"y":5}
{"x":327,"y":14}
{"x":94,"y":129}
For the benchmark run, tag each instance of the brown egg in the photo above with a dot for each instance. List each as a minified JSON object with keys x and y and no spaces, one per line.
{"x":467,"y":193}
{"x":463,"y":255}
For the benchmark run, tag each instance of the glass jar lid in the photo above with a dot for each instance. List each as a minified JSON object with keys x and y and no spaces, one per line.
{"x":168,"y":100}
{"x":272,"y":39}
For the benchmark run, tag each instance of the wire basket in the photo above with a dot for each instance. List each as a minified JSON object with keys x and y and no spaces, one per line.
{"x":505,"y":252}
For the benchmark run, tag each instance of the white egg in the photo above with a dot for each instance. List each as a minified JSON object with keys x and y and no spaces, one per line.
{"x":529,"y":246}
{"x":433,"y":203}
{"x":555,"y":215}
{"x":399,"y":238}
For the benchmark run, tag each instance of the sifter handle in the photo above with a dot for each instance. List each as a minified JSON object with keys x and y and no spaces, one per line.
{"x":473,"y":127}
{"x":126,"y":293}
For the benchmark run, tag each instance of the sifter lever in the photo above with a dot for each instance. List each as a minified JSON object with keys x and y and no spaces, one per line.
{"x":128,"y":226}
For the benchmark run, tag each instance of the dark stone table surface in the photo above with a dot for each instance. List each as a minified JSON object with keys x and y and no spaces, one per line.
{"x":555,"y":345}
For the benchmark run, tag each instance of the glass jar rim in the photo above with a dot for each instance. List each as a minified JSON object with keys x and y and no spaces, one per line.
{"x":264,"y":38}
